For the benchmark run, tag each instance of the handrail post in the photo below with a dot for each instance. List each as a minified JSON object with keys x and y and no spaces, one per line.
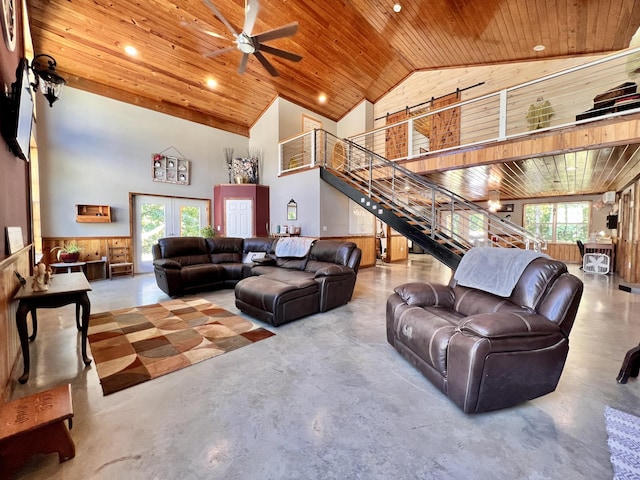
{"x":313,"y":147}
{"x":370,"y":177}
{"x":410,"y":138}
{"x":502,"y":116}
{"x":435,"y":224}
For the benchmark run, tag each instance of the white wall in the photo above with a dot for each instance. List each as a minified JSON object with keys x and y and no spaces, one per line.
{"x":422,"y":86}
{"x":280,"y":121}
{"x":303,"y":187}
{"x":94,"y":150}
{"x":358,"y":120}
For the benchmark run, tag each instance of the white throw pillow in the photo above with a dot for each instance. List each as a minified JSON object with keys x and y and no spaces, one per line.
{"x":251,"y":256}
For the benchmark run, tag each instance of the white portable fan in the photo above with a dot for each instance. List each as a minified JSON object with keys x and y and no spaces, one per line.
{"x":596,"y":263}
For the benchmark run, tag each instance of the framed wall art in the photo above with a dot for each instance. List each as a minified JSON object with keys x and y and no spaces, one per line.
{"x":14,"y":239}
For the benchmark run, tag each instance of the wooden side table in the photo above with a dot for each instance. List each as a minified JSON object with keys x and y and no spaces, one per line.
{"x":63,"y":290}
{"x":35,"y":424}
{"x":68,"y":266}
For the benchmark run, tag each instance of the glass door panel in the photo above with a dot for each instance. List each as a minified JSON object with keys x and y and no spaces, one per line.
{"x":158,"y":217}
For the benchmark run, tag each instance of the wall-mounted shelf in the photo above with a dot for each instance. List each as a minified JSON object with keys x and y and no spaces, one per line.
{"x":93,"y":213}
{"x":170,"y":169}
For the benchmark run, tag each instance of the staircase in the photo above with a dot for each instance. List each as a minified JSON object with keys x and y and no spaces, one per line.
{"x":441,"y":222}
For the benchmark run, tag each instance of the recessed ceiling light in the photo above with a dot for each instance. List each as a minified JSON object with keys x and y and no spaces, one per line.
{"x":322,"y":98}
{"x":129,"y":50}
{"x":571,"y":169}
{"x":397,"y":7}
{"x":211,"y":83}
{"x":539,"y":48}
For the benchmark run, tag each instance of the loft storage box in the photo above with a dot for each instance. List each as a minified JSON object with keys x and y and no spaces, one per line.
{"x":93,"y":213}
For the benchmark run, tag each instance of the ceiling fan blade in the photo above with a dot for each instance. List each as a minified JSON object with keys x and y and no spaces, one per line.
{"x":206,"y":32}
{"x":243,"y":63}
{"x":250,"y":15}
{"x":285,"y":31}
{"x":215,"y":53}
{"x":294,"y":57}
{"x":217,"y":13}
{"x":215,"y":35}
{"x":265,"y":63}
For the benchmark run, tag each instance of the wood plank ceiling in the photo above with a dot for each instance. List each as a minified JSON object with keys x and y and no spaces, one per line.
{"x":584,"y":172}
{"x":351,"y":51}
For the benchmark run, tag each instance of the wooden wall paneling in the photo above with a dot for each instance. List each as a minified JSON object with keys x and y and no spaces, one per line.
{"x":365,"y":243}
{"x":397,"y":248}
{"x":368,"y":247}
{"x":9,"y":341}
{"x":93,"y":248}
{"x":564,"y":252}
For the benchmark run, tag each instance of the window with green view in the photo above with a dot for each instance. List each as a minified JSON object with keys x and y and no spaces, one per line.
{"x":563,"y":222}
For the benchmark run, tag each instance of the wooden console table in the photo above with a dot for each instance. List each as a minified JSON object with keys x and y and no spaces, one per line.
{"x":63,"y":290}
{"x":35,"y":424}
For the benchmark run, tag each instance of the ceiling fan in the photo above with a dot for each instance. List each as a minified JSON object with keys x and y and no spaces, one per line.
{"x":250,"y":44}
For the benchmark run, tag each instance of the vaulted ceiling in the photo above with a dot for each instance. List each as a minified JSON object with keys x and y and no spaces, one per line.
{"x":351,"y":51}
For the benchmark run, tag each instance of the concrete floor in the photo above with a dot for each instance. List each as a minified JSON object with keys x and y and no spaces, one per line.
{"x":328,"y":398}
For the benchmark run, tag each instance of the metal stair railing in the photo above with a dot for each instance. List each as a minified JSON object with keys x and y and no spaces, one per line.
{"x":439,"y":214}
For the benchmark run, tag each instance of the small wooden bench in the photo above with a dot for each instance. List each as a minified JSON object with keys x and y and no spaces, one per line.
{"x":35,"y":424}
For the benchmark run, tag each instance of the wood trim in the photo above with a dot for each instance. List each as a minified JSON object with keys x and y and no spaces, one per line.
{"x":9,"y":342}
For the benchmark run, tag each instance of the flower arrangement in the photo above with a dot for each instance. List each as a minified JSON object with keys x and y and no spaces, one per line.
{"x":68,"y":253}
{"x":243,"y":169}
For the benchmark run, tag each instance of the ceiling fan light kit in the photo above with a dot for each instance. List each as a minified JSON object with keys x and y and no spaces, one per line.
{"x":250,"y":44}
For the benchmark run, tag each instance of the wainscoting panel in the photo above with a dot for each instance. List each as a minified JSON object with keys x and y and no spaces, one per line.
{"x":9,"y":341}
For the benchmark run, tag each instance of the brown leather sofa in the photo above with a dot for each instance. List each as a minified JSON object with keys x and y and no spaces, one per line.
{"x":484,"y":351}
{"x":271,"y":288}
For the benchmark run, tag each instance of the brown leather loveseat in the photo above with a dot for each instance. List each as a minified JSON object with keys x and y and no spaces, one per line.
{"x":486,"y":351}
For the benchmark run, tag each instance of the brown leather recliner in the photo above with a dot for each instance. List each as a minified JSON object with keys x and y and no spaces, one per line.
{"x":483,"y":351}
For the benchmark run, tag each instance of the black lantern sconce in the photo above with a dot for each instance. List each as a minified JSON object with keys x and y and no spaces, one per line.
{"x":46,"y":78}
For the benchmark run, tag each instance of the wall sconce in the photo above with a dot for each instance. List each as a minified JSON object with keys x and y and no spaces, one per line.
{"x":292,"y":210}
{"x":494,"y":200}
{"x":47,"y":79}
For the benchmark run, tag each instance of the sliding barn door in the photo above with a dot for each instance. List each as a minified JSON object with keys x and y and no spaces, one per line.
{"x":445,"y":126}
{"x":396,"y":139}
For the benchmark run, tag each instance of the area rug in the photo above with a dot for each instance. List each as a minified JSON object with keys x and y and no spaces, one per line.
{"x":134,"y":345}
{"x":624,"y":443}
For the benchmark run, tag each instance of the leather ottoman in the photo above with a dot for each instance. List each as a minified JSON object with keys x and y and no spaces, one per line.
{"x":277,"y":302}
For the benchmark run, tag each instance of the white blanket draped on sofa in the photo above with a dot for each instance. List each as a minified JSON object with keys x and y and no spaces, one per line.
{"x":494,"y":270}
{"x":296,"y":247}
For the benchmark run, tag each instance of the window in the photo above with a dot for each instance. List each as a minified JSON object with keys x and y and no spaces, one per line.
{"x":558,"y":222}
{"x":469,"y":226}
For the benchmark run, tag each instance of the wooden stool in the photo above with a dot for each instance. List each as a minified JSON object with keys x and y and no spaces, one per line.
{"x":35,"y":424}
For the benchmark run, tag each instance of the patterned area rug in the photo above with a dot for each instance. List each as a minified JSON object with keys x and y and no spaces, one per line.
{"x":133,"y":345}
{"x":624,"y":443}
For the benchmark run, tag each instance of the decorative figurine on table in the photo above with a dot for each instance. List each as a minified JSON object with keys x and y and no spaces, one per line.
{"x":41,"y":278}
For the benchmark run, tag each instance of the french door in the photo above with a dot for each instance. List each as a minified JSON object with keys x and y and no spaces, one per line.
{"x":158,"y":217}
